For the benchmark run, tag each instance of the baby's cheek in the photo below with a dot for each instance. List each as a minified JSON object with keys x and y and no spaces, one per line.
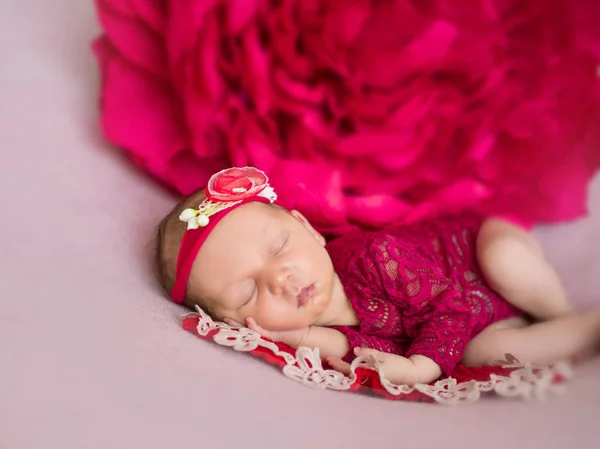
{"x":270,"y":319}
{"x":221,"y":314}
{"x":276,"y":318}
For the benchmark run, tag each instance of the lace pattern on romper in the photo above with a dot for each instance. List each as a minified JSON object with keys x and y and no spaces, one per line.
{"x":418,"y":291}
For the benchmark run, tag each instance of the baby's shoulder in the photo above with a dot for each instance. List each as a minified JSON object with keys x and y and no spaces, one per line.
{"x":364,"y":250}
{"x":401,"y":241}
{"x":359,"y":242}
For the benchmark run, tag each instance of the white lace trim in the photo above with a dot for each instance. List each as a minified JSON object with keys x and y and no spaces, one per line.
{"x":525,"y":381}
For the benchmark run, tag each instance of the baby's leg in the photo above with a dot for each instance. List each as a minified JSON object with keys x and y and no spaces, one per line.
{"x":513,"y":264}
{"x":567,"y":337}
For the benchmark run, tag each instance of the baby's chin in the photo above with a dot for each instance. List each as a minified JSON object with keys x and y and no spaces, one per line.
{"x":305,"y":318}
{"x":316,"y":309}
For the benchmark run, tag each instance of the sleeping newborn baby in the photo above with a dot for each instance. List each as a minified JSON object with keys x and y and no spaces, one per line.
{"x":419,"y":298}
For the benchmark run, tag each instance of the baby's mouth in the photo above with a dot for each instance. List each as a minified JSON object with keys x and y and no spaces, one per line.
{"x":306,"y":295}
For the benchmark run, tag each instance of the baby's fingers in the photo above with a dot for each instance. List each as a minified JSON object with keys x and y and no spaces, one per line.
{"x":363,"y":352}
{"x":253,"y":325}
{"x":366,"y":352}
{"x":232,"y":323}
{"x":338,"y":364}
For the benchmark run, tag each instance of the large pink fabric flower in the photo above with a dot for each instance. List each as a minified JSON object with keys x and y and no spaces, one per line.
{"x":362,"y":112}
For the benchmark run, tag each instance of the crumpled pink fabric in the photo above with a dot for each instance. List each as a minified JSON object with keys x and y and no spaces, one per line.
{"x":363,"y":113}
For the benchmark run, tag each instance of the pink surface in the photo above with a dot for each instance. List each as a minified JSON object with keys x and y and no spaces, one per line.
{"x":92,"y":356}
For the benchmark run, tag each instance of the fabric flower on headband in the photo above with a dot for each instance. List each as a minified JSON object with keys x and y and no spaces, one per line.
{"x":226,"y":189}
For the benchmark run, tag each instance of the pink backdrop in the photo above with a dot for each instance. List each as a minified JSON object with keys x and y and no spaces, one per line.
{"x":92,"y":356}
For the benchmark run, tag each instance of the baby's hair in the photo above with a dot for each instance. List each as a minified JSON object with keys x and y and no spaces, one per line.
{"x":168,"y":240}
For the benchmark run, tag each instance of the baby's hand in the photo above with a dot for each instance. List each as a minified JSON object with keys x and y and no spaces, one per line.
{"x":291,"y":338}
{"x":397,"y":369}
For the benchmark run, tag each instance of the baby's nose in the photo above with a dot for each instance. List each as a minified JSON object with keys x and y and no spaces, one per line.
{"x":279,"y":280}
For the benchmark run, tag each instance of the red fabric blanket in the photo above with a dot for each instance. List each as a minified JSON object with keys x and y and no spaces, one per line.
{"x":506,"y":378}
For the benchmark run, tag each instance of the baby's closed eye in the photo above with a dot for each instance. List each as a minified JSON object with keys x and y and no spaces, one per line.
{"x":251,"y":296}
{"x":280,"y":245}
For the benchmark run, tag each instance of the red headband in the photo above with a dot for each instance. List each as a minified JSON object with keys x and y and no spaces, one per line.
{"x":226,"y":191}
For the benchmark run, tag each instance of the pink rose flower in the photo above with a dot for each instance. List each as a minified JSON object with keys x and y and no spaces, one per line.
{"x":362,"y":113}
{"x":236,"y":184}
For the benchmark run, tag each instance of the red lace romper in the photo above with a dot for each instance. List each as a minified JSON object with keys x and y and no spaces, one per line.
{"x":417,"y":289}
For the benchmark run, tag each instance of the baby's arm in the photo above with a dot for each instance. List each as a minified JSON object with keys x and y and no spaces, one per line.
{"x":435,"y":314}
{"x":436,"y":349}
{"x":443,"y":337}
{"x":397,"y":369}
{"x":331,"y":342}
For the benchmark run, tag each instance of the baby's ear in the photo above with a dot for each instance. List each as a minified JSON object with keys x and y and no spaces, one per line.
{"x":302,"y":219}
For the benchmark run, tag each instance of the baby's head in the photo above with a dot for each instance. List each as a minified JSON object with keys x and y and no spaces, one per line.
{"x":245,"y":258}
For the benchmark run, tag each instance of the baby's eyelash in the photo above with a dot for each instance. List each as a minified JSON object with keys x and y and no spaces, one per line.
{"x":283,"y":246}
{"x":251,"y":296}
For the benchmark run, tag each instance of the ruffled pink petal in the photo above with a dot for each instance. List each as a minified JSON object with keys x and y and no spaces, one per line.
{"x":139,"y":113}
{"x":240,"y":13}
{"x":152,"y":12}
{"x":376,"y":210}
{"x":133,"y":39}
{"x":316,"y":191}
{"x":257,"y":67}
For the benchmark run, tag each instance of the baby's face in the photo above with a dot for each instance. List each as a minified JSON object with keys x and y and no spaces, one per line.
{"x":265,"y":263}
